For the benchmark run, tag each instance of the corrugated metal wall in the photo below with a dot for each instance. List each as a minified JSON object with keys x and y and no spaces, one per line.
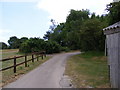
{"x":113,"y":49}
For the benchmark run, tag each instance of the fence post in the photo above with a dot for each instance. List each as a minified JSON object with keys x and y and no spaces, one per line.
{"x":25,"y":60}
{"x":32,"y":58}
{"x":37,"y":57}
{"x":45,"y":54}
{"x":15,"y":64}
{"x":42,"y":56}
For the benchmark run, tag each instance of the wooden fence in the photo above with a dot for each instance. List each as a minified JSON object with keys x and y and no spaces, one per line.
{"x":37,"y":54}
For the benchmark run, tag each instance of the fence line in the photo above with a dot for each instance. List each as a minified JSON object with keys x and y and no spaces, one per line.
{"x":38,"y":54}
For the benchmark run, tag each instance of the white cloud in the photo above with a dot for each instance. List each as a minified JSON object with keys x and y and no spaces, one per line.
{"x":59,"y":9}
{"x":4,"y":35}
{"x":4,"y":31}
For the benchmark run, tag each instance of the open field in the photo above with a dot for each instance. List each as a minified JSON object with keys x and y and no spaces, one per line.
{"x":88,"y":70}
{"x":8,"y":75}
{"x":7,"y":53}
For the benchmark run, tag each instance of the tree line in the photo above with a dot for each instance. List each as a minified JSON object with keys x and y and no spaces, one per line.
{"x":13,"y":42}
{"x":82,"y":30}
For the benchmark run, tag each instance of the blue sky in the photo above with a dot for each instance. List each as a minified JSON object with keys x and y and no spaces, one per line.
{"x":23,"y":19}
{"x":32,"y":18}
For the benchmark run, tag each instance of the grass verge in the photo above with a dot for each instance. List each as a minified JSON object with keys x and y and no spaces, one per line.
{"x":88,"y":70}
{"x":9,"y":76}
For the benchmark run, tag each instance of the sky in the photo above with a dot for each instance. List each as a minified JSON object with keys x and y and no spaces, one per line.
{"x":31,"y":18}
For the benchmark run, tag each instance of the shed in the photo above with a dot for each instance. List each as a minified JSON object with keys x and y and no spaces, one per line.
{"x":113,"y":51}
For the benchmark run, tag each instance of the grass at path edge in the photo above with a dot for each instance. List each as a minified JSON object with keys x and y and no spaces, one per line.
{"x":88,"y":70}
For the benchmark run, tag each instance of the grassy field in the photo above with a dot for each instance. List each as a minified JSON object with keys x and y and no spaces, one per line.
{"x":88,"y":70}
{"x":8,"y":75}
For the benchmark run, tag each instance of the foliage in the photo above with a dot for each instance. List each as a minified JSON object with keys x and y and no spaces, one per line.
{"x":23,"y":39}
{"x":66,"y":49}
{"x":15,"y":42}
{"x":114,"y":12}
{"x":78,"y":15}
{"x":3,"y":45}
{"x":52,"y":27}
{"x":37,"y":44}
{"x":52,"y":47}
{"x":47,"y":35}
{"x":32,"y":45}
{"x":25,"y":48}
{"x":91,"y":35}
{"x":80,"y":31}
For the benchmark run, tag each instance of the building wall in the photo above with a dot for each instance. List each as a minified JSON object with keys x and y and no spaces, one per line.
{"x":113,"y":49}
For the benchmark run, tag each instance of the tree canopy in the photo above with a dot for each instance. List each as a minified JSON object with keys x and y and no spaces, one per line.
{"x":114,"y":12}
{"x":80,"y":31}
{"x":15,"y":42}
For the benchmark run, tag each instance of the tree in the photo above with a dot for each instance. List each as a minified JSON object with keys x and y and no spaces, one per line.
{"x":93,"y":16}
{"x":23,"y":39}
{"x":52,"y":27}
{"x":56,"y":35}
{"x":78,"y":15}
{"x":73,"y":26}
{"x":91,"y":36}
{"x":32,"y":45}
{"x":114,"y":12}
{"x":80,"y":31}
{"x":3,"y":45}
{"x":14,"y":42}
{"x":47,"y":35}
{"x":37,"y":45}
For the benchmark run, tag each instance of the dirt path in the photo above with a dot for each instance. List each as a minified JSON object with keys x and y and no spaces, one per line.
{"x":48,"y":75}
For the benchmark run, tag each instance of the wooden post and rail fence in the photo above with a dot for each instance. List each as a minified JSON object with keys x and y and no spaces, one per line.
{"x":38,"y":54}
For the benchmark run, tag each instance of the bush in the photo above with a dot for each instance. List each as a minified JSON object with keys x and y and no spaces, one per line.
{"x":66,"y":49}
{"x":25,"y":47}
{"x":32,"y":45}
{"x":37,"y":45}
{"x":52,"y":47}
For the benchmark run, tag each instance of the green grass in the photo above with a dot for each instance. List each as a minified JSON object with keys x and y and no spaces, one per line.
{"x":88,"y":70}
{"x":6,"y":53}
{"x":8,"y":75}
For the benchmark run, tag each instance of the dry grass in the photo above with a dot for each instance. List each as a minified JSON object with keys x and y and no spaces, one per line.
{"x":88,"y":70}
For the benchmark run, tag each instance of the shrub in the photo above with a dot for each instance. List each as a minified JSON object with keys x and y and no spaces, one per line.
{"x":52,"y":47}
{"x":32,"y":45}
{"x":25,"y":47}
{"x":66,"y":49}
{"x":37,"y":45}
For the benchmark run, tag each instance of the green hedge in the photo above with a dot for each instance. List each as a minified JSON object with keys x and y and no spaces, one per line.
{"x":36,"y":45}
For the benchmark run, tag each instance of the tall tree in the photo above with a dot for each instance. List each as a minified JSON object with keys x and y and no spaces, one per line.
{"x":47,"y":35}
{"x":52,"y":27}
{"x":91,"y":36}
{"x":14,"y":42}
{"x":73,"y":26}
{"x":23,"y":39}
{"x":114,"y":12}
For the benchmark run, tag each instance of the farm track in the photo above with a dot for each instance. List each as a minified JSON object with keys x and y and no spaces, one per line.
{"x":47,"y":75}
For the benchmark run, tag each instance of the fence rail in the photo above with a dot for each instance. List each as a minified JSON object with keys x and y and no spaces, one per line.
{"x":38,"y":54}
